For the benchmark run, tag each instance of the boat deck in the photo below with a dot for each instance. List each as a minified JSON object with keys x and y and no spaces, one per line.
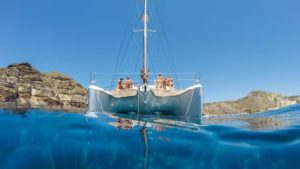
{"x":133,"y":92}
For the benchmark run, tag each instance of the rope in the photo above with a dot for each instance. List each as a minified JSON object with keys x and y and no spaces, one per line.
{"x":138,"y":103}
{"x":139,"y":57}
{"x":116,"y":68}
{"x":202,"y":103}
{"x":151,"y":53}
{"x":138,"y":7}
{"x":169,"y":58}
{"x":188,"y":108}
{"x":135,"y":67}
{"x":99,"y":97}
{"x":125,"y":54}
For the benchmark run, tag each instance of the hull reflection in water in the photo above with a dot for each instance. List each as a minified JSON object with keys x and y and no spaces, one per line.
{"x":35,"y":139}
{"x":186,"y":104}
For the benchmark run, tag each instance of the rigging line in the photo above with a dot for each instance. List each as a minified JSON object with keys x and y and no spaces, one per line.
{"x":119,"y":54}
{"x":152,"y":65}
{"x":139,"y":51}
{"x":152,"y":9}
{"x":135,"y":40}
{"x":138,"y":8}
{"x":118,"y":65}
{"x":188,"y":108}
{"x":125,"y":54}
{"x":138,"y":61}
{"x":122,"y":43}
{"x":202,"y":101}
{"x":139,"y":56}
{"x":151,"y":52}
{"x":167,"y":44}
{"x":128,"y":44}
{"x":99,"y":98}
{"x":169,"y":57}
{"x":138,"y":102}
{"x":164,"y":52}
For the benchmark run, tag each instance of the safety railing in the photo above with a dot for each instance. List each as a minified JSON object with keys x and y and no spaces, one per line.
{"x":109,"y":81}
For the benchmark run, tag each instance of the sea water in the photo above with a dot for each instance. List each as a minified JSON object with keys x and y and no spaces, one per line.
{"x":39,"y":139}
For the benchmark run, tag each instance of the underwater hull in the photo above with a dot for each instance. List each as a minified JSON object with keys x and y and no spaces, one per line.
{"x":186,"y":104}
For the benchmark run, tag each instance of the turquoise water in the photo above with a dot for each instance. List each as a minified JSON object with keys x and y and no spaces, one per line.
{"x":38,"y":139}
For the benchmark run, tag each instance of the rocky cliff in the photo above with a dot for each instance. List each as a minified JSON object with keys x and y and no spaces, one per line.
{"x":23,"y":86}
{"x":256,"y":101}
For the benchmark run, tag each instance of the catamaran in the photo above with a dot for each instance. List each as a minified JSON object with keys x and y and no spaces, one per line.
{"x":147,"y":99}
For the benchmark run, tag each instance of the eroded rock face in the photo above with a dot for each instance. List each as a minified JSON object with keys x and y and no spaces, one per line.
{"x":256,"y":101}
{"x":22,"y":85}
{"x":295,"y":98}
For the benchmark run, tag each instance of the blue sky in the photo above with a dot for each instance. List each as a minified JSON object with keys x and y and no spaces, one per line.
{"x":237,"y":45}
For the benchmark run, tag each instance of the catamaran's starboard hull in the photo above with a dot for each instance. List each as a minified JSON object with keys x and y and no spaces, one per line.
{"x":187,"y":104}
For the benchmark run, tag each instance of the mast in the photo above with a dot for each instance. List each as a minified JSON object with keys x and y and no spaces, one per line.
{"x":145,"y":30}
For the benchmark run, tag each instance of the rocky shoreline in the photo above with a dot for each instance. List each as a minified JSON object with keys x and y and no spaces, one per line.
{"x":22,"y":86}
{"x":254,"y":102}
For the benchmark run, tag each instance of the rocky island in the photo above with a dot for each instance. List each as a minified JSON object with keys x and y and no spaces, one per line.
{"x":21,"y":85}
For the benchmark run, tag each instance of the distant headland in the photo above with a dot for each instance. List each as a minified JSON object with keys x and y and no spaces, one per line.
{"x":254,"y":102}
{"x":23,"y":86}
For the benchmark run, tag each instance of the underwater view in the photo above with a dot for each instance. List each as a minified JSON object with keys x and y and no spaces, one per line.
{"x":149,"y":84}
{"x":38,"y":139}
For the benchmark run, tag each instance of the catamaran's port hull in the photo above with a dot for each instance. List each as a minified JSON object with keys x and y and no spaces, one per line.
{"x":186,"y":104}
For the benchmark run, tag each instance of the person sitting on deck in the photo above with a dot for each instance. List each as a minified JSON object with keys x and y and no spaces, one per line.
{"x":169,"y":83}
{"x":120,"y":84}
{"x":128,"y":83}
{"x":164,"y":83}
{"x":159,"y":82}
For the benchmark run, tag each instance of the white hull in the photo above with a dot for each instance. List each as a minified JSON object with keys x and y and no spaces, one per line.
{"x":187,"y":103}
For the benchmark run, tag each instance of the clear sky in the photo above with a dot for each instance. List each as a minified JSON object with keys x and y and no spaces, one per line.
{"x":237,"y":45}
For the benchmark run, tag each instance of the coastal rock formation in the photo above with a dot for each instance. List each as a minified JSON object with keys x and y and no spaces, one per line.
{"x":23,"y":86}
{"x":295,"y":98}
{"x":256,"y":101}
